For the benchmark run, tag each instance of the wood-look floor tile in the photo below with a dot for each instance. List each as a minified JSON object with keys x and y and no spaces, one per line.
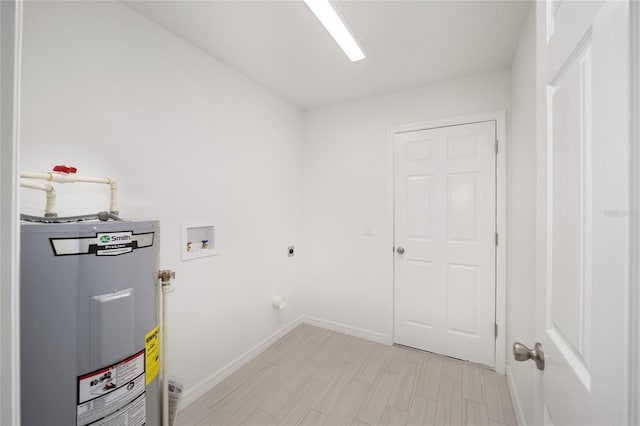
{"x":251,"y":392}
{"x":405,"y":386}
{"x":296,"y":358}
{"x":450,"y":406}
{"x":317,"y":335}
{"x":350,"y":399}
{"x":286,"y":346}
{"x":200,"y":408}
{"x":313,"y":418}
{"x":452,"y":368}
{"x":393,"y":417}
{"x":429,"y":381}
{"x":248,"y":371}
{"x":329,"y":397}
{"x":328,"y":348}
{"x":476,"y":414}
{"x":472,"y":388}
{"x":259,"y":418}
{"x":328,"y":371}
{"x":377,"y":358}
{"x":360,"y":354}
{"x":212,"y":419}
{"x":280,"y":396}
{"x":377,"y":398}
{"x":430,"y":414}
{"x":316,"y":376}
{"x":296,"y":408}
{"x":396,"y":359}
{"x":492,"y":393}
{"x":415,"y":355}
{"x":250,"y":403}
{"x":417,"y":411}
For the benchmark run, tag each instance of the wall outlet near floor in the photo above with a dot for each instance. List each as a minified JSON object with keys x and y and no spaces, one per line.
{"x":291,"y":251}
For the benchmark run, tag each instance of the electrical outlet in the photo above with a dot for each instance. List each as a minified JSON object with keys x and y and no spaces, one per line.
{"x":291,"y":251}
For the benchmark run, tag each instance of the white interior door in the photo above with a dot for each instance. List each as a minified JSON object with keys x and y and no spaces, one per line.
{"x":445,"y":227}
{"x":583,"y":211}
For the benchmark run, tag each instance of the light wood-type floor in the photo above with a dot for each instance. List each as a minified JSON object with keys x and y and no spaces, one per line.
{"x":314,"y":376}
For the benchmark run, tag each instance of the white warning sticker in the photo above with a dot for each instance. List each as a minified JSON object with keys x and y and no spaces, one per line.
{"x":113,"y":392}
{"x":133,"y":414}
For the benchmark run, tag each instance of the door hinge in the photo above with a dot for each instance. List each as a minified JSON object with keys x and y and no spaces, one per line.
{"x":497,"y":144}
{"x":495,"y":330}
{"x":496,"y":238}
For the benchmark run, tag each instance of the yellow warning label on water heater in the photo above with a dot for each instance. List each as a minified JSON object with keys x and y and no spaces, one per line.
{"x":152,"y":354}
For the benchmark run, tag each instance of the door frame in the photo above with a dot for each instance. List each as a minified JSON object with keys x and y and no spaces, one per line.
{"x":501,"y":213}
{"x":10,"y":60}
{"x":634,"y":308}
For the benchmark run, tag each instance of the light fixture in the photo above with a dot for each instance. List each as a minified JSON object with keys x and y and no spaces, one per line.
{"x":332,"y":22}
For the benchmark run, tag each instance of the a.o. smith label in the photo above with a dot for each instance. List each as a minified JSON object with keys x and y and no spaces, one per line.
{"x":103,"y":244}
{"x":114,"y":243}
{"x":114,"y":238}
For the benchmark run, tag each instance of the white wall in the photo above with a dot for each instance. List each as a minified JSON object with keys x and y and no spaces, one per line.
{"x":110,"y":92}
{"x":521,"y":271}
{"x":347,"y":180}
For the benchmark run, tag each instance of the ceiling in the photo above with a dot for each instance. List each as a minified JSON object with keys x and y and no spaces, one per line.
{"x":282,"y":46}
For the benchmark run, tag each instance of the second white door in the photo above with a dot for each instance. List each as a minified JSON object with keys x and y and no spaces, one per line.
{"x":445,"y":231}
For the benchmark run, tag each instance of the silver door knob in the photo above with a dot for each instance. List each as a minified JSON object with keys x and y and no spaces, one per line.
{"x":400,"y":250}
{"x":523,"y":353}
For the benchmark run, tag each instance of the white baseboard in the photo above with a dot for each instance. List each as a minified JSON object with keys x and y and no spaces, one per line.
{"x":515,"y":398}
{"x":207,"y":384}
{"x":347,"y":329}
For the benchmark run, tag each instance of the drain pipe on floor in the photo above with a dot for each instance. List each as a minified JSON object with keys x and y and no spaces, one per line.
{"x":165,"y":276}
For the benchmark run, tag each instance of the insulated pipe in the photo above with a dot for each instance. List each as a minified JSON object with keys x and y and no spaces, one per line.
{"x":63,"y":177}
{"x":71,"y":178}
{"x":50,"y":207}
{"x":165,"y":378}
{"x":165,"y":277}
{"x":113,"y":205}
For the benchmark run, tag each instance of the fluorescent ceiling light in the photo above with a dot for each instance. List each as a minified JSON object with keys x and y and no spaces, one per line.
{"x":332,"y":22}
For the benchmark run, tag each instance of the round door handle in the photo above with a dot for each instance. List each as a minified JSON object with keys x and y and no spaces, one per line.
{"x":400,"y":250}
{"x":523,"y":353}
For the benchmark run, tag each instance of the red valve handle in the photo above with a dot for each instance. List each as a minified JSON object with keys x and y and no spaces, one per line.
{"x":65,"y":169}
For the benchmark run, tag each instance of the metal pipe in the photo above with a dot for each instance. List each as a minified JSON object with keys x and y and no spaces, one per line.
{"x":103,"y":216}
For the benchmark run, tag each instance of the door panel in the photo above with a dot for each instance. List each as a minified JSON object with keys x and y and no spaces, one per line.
{"x":461,"y":204}
{"x":583,"y":176}
{"x":419,"y":202}
{"x":419,"y":293}
{"x":570,"y":143}
{"x":445,"y":221}
{"x":462,"y":286}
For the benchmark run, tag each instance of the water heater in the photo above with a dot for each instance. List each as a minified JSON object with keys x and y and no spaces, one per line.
{"x":90,"y":350}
